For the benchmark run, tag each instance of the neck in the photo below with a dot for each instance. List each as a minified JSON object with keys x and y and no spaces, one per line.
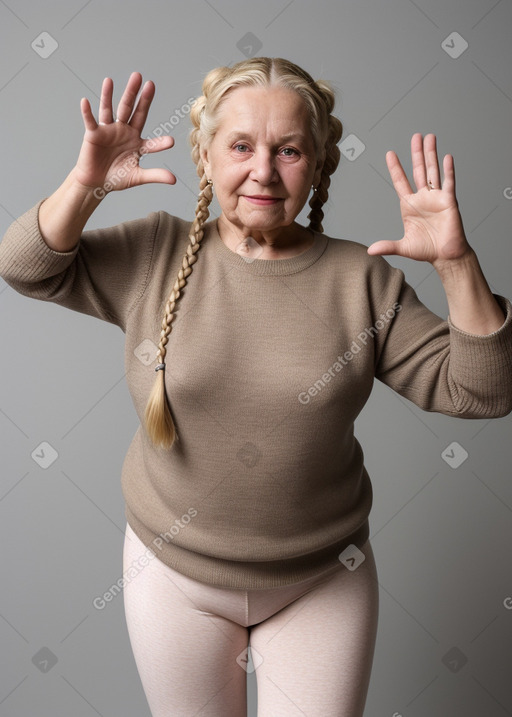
{"x":284,"y":242}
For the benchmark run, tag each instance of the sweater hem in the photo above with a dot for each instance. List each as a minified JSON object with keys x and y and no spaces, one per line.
{"x":246,"y":575}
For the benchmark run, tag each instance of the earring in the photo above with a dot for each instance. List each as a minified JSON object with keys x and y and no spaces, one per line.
{"x":210,"y":182}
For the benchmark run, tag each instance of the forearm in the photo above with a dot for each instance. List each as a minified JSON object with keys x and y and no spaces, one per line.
{"x":64,"y":214}
{"x":471,"y":304}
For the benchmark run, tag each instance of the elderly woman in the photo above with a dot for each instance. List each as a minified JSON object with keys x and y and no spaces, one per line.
{"x":244,"y":479}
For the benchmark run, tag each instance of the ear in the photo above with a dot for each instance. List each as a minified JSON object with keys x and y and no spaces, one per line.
{"x":203,"y":153}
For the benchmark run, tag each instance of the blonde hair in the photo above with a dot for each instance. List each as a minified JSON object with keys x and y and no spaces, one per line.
{"x":326,"y":131}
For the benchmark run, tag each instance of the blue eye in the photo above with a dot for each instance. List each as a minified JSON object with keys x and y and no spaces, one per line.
{"x":243,"y":146}
{"x":290,"y":150}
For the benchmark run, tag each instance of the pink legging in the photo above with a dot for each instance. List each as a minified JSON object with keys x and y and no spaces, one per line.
{"x":311,"y":643}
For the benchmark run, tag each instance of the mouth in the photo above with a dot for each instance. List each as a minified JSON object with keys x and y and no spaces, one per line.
{"x":261,"y":199}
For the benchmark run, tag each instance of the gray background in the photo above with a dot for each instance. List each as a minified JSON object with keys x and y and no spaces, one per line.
{"x":440,"y":534}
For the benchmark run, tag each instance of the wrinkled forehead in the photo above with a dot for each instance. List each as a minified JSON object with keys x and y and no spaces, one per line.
{"x":270,"y":112}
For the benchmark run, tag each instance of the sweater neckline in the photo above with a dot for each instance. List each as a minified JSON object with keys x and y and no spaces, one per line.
{"x":264,"y":267}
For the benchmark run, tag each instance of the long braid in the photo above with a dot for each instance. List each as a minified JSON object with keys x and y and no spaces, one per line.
{"x":159,"y":423}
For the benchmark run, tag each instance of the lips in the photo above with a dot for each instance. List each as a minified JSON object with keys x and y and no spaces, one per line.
{"x":262,"y":199}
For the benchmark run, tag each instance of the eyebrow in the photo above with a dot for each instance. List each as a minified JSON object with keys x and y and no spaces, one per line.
{"x":240,"y":134}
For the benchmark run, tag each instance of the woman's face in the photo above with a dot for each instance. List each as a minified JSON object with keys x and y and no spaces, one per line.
{"x":262,"y":159}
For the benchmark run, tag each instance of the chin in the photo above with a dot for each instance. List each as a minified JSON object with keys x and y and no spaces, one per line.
{"x":264,"y":223}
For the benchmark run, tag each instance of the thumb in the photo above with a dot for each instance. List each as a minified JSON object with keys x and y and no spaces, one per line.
{"x":385,"y":246}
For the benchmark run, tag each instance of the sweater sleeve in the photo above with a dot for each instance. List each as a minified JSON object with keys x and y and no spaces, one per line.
{"x":103,"y":276}
{"x":434,"y":364}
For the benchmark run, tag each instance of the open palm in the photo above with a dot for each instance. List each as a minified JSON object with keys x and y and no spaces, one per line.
{"x":433,"y":229}
{"x":111,"y":149}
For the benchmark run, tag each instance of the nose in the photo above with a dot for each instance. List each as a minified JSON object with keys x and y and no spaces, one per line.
{"x":263,"y":167}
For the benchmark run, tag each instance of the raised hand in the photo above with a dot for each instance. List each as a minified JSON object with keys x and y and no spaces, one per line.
{"x":111,"y":149}
{"x":433,"y":229}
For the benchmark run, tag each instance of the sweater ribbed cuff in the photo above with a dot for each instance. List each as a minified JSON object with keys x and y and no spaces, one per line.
{"x":483,"y":363}
{"x":499,"y":340}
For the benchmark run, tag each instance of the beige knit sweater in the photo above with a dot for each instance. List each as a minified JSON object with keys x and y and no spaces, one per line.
{"x":269,"y":363}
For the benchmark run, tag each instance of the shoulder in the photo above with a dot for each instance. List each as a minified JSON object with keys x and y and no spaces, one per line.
{"x":347,"y":255}
{"x":170,"y":233}
{"x":358,"y":274}
{"x":168,"y":224}
{"x":140,"y":232}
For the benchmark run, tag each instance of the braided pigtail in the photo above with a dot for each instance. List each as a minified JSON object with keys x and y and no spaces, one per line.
{"x":332,"y":158}
{"x":159,"y":423}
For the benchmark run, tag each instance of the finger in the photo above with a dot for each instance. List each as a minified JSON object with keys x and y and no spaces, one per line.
{"x":418,"y":161}
{"x":105,"y":114}
{"x":87,"y":115}
{"x":398,"y":176}
{"x":157,"y":144}
{"x":430,"y":152}
{"x":385,"y":246}
{"x":125,"y":106}
{"x":449,"y":174}
{"x":161,"y":176}
{"x":140,"y":115}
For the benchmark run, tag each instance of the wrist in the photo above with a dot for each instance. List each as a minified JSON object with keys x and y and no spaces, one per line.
{"x":471,"y":304}
{"x":63,"y":215}
{"x":455,"y":269}
{"x":88,"y":197}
